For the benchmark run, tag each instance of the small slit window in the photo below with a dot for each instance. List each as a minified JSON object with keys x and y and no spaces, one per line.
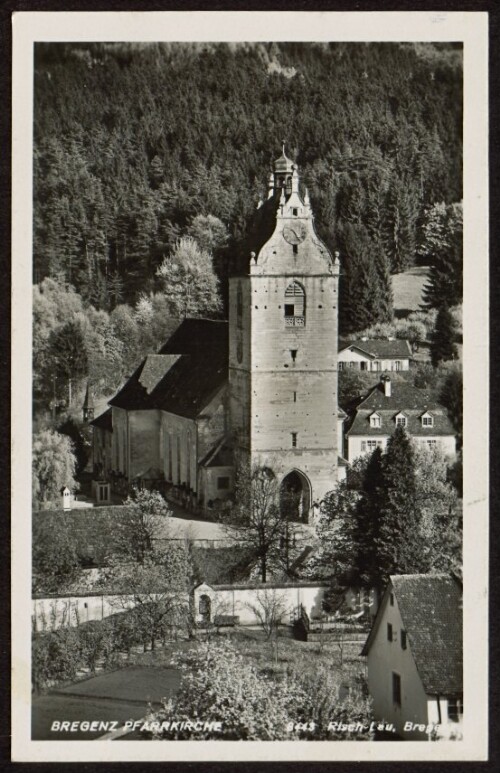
{"x":396,"y":689}
{"x":294,"y":440}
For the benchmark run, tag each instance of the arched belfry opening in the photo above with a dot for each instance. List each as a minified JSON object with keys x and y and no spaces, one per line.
{"x":295,"y":496}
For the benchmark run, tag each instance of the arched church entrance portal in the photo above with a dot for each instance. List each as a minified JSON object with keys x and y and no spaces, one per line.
{"x":295,"y":497}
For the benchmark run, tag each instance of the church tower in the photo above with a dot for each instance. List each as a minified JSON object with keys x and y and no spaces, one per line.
{"x":283,"y":311}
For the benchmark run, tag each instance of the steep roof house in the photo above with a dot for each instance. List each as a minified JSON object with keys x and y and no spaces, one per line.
{"x":391,"y":404}
{"x":414,"y":653}
{"x":375,"y":354}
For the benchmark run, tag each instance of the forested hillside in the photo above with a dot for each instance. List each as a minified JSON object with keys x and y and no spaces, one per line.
{"x":133,"y":141}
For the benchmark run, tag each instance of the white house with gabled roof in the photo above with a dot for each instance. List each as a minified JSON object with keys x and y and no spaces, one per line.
{"x":385,"y":354}
{"x":414,"y":653}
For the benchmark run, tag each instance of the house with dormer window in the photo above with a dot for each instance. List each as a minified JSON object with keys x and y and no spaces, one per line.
{"x":397,"y":404}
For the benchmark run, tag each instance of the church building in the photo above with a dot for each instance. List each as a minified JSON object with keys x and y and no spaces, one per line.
{"x":258,"y":390}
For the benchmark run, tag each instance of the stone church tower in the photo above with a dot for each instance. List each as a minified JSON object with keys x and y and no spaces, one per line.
{"x":283,"y":311}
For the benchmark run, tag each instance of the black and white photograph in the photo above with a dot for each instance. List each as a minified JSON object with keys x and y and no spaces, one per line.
{"x":250,"y":264}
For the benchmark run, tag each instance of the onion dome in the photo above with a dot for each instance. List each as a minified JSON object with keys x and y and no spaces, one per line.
{"x":283,"y":164}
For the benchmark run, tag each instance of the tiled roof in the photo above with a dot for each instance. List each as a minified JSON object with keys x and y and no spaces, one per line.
{"x":104,"y":421}
{"x":261,"y":230}
{"x":154,"y":368}
{"x":379,"y":349}
{"x":189,"y":380}
{"x":431,"y":611}
{"x":404,"y":398}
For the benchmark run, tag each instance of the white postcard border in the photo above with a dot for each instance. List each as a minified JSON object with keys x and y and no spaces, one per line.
{"x":472,"y":29}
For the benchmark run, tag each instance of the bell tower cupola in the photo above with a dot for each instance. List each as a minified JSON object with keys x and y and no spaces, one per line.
{"x":283,"y":172}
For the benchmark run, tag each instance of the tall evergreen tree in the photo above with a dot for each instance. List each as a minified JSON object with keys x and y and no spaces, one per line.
{"x":442,"y":246}
{"x":443,"y":347}
{"x":399,"y":544}
{"x":360,"y":284}
{"x":451,"y":397}
{"x":368,"y":522}
{"x":385,"y":298}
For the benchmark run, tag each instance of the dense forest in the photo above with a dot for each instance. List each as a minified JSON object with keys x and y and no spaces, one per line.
{"x":149,"y":161}
{"x":133,"y":141}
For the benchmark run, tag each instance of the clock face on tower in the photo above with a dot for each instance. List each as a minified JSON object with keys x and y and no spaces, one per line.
{"x":294,"y":233}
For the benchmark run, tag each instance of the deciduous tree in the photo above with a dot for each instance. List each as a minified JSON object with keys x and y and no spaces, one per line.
{"x":270,"y":607}
{"x":256,"y":522}
{"x":155,"y":591}
{"x":66,"y":347}
{"x":189,"y":282}
{"x":56,"y":563}
{"x":54,"y":466}
{"x":144,"y":523}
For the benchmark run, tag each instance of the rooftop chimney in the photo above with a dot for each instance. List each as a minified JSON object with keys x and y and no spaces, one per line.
{"x":386,"y":382}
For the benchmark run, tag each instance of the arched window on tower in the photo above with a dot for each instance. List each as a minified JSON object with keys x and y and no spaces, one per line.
{"x":295,"y":305}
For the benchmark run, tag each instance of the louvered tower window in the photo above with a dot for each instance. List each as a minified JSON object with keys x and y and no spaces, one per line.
{"x":295,"y":305}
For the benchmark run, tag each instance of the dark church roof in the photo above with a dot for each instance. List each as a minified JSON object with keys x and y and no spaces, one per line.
{"x":431,"y":611}
{"x":104,"y":421}
{"x":261,"y":230}
{"x":186,"y":374}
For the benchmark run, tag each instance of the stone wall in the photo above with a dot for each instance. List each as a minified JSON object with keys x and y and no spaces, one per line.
{"x":238,"y":600}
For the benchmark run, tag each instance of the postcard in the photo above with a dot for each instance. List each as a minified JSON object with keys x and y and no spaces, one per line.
{"x":250,"y":336}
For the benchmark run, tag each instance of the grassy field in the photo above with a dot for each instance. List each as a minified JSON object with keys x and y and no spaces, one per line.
{"x":116,"y":696}
{"x":407,"y":289}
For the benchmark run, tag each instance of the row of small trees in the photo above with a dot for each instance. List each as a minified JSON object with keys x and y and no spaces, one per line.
{"x":60,"y":654}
